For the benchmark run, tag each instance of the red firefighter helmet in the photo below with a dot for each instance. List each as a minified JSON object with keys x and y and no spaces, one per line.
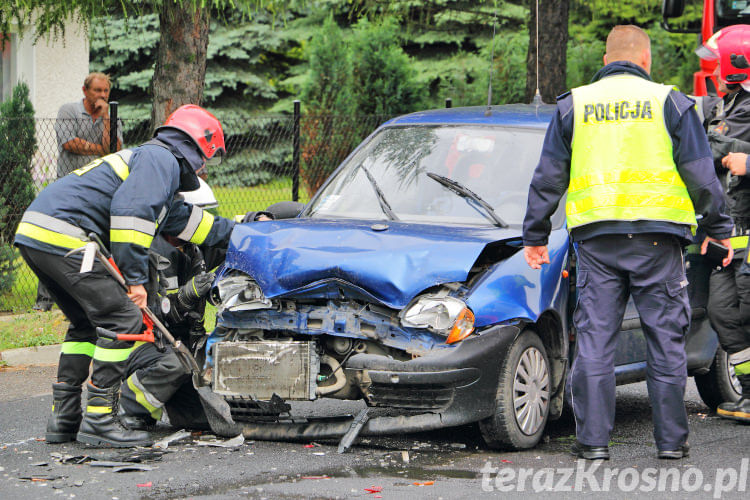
{"x":731,"y":46}
{"x":203,"y":127}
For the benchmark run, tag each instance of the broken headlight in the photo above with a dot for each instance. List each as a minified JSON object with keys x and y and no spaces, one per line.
{"x":440,"y":314}
{"x":238,"y":292}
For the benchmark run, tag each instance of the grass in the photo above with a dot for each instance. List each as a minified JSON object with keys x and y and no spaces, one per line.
{"x":33,"y":329}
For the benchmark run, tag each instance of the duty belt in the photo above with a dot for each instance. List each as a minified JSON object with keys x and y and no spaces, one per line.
{"x":48,"y":229}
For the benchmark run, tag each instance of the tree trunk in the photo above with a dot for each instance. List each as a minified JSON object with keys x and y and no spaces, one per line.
{"x":553,"y":48}
{"x":180,"y":71}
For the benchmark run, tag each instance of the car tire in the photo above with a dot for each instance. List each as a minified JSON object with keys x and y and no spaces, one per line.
{"x":525,"y":371}
{"x":720,"y":384}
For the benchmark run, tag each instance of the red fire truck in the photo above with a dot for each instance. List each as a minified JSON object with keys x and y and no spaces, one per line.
{"x":716,"y":15}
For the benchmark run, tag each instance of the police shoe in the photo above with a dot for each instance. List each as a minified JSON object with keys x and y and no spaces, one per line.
{"x":739,"y":410}
{"x":587,"y":452}
{"x":681,"y":452}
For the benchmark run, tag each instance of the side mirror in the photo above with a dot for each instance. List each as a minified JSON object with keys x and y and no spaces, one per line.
{"x":672,"y":8}
{"x":285,"y":209}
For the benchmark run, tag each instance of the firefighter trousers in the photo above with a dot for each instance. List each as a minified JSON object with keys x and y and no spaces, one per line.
{"x":610,"y":269}
{"x":729,"y":305}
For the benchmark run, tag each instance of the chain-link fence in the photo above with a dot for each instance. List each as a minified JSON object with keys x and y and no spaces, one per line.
{"x":270,"y":158}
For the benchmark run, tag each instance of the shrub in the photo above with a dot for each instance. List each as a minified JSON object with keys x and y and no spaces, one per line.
{"x":17,"y":146}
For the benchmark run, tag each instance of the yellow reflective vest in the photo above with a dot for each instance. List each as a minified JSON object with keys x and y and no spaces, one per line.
{"x":622,"y":167}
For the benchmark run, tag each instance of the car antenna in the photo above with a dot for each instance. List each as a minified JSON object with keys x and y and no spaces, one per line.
{"x":488,"y":111}
{"x":537,"y":101}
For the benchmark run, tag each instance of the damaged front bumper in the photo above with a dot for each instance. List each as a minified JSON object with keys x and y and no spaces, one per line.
{"x":450,"y":388}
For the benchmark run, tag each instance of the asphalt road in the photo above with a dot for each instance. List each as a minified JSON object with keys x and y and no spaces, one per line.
{"x":451,"y":463}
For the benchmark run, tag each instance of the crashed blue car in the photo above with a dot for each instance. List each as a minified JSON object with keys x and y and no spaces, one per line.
{"x":402,"y":283}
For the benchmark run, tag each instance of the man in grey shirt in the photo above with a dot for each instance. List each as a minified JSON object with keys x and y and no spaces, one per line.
{"x":82,"y":130}
{"x":83,"y":127}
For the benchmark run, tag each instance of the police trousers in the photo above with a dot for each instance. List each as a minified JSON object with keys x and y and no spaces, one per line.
{"x":610,"y":268}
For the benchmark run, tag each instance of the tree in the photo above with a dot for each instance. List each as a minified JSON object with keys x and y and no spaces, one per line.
{"x":17,"y":146}
{"x":181,"y":60}
{"x":548,"y":51}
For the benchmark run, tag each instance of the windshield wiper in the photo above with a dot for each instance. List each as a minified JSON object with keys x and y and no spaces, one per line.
{"x":465,"y":192}
{"x":381,"y":197}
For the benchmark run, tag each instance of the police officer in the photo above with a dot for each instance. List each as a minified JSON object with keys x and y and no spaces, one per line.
{"x":636,"y":175}
{"x":127,"y":199}
{"x":728,"y":127}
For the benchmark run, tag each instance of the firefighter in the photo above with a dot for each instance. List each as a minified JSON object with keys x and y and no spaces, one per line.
{"x":636,"y":175}
{"x":126,"y":199}
{"x":728,"y":127}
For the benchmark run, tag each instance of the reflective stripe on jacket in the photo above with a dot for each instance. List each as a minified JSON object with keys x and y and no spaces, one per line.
{"x":622,"y":165}
{"x":126,"y":198}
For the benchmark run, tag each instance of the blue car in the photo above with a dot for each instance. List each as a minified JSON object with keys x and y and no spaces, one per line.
{"x":402,"y":283}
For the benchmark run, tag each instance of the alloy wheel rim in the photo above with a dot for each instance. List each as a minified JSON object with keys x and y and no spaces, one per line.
{"x":531,"y":391}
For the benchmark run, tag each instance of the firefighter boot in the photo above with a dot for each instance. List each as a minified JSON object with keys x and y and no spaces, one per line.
{"x":101,"y":427}
{"x":63,"y":424}
{"x":135,"y":422}
{"x":740,"y":409}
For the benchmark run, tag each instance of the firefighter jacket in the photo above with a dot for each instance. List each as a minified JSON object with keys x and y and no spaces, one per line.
{"x":728,"y":127}
{"x":127,"y":199}
{"x":690,"y":152}
{"x":637,"y":183}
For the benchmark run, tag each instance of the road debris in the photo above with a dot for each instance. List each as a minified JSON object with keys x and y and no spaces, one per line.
{"x":316,"y":477}
{"x":234,"y":442}
{"x":423,"y":483}
{"x":39,"y":478}
{"x":133,"y":468}
{"x":145,"y":485}
{"x":172,"y":438}
{"x":374,"y":489}
{"x":405,"y":457}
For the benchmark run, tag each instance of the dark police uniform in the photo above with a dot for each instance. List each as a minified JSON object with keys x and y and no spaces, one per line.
{"x":127,"y":199}
{"x":637,"y":172}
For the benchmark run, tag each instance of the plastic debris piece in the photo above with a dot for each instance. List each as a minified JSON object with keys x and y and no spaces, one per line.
{"x":374,"y":489}
{"x":405,"y":456}
{"x":39,"y":478}
{"x":424,"y":483}
{"x":458,"y":446}
{"x":39,"y":464}
{"x":172,"y":438}
{"x":107,"y":463}
{"x":145,"y":485}
{"x":319,"y":453}
{"x":309,"y":446}
{"x":316,"y":477}
{"x":234,"y":442}
{"x":506,"y":461}
{"x":133,"y":468}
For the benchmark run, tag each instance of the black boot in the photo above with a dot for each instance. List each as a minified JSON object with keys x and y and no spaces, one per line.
{"x":135,"y":422}
{"x":63,"y":424}
{"x":740,"y":409}
{"x":101,"y":427}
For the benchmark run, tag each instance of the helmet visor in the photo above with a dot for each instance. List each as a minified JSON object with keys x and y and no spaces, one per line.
{"x":215,"y":159}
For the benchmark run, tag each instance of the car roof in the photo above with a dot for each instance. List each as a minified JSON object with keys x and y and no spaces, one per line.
{"x":523,"y":115}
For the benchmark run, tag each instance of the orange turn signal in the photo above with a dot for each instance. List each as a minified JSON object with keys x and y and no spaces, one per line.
{"x":462,"y":328}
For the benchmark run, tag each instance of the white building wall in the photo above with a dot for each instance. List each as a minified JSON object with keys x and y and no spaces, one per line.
{"x":58,"y":69}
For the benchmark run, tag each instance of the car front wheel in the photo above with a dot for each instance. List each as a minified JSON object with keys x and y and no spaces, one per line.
{"x":720,"y":384}
{"x":523,"y":396}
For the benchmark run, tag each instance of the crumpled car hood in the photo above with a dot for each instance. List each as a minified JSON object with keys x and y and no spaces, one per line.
{"x":393,"y":264}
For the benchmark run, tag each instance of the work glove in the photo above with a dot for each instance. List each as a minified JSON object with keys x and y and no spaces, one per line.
{"x":253,"y":216}
{"x":191,"y":293}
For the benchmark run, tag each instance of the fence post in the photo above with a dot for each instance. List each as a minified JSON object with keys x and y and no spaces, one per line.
{"x":112,"y":126}
{"x":448,"y":102}
{"x":296,"y":153}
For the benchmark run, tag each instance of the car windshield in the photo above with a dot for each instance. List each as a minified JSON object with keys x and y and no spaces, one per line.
{"x":388,"y":177}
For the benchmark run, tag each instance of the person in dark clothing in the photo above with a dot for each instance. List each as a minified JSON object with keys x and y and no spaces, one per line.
{"x":728,"y":127}
{"x":127,"y":199}
{"x":639,"y":179}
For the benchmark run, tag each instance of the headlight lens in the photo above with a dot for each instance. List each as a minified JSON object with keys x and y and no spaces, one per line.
{"x":238,"y":293}
{"x":439,"y":314}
